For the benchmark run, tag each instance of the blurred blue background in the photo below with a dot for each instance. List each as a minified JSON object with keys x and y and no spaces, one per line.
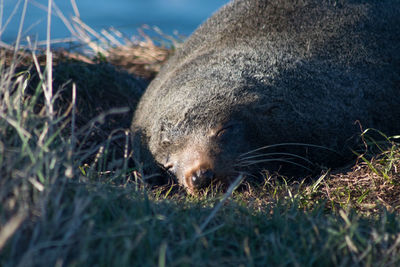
{"x":183,"y":16}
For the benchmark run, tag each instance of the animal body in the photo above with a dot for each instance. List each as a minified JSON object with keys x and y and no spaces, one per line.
{"x":260,"y":79}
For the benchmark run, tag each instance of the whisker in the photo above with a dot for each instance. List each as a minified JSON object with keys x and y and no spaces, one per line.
{"x":276,"y":154}
{"x":245,"y":164}
{"x":289,"y":144}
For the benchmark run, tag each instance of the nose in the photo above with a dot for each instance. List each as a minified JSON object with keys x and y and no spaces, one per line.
{"x":200,"y":177}
{"x":194,"y":167}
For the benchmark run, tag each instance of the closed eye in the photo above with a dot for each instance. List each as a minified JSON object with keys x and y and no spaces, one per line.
{"x":224,"y":130}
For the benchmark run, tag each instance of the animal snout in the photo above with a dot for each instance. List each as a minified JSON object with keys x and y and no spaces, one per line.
{"x":199,"y":177}
{"x":194,"y":167}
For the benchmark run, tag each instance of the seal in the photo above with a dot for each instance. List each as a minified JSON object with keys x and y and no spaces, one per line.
{"x":263,"y":82}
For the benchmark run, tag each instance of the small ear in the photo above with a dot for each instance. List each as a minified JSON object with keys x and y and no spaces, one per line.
{"x":162,"y":126}
{"x":165,"y":141}
{"x":164,"y":138}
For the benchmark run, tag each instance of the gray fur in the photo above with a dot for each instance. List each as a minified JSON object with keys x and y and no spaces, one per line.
{"x":287,"y":71}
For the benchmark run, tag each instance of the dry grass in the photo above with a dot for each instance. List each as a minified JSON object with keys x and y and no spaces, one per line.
{"x":144,"y":60}
{"x":370,"y":185}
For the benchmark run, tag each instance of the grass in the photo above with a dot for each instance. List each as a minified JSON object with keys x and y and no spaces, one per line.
{"x":68,"y":196}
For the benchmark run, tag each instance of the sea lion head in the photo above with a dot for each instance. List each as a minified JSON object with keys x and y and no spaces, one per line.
{"x":203,"y":147}
{"x":197,"y":121}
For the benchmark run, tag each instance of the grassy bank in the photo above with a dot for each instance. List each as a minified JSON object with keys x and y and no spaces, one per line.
{"x":70,"y":197}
